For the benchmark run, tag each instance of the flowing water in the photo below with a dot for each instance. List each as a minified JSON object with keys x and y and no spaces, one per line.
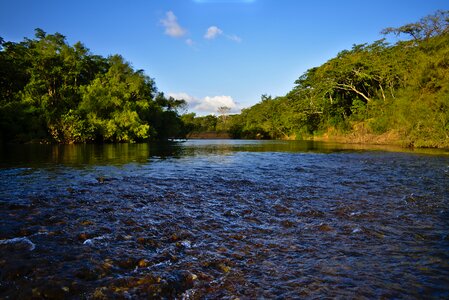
{"x":223,"y":219}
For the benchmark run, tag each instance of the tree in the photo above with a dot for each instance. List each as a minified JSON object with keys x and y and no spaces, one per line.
{"x":111,"y":103}
{"x":52,"y":90}
{"x":223,"y":111}
{"x":429,"y":26}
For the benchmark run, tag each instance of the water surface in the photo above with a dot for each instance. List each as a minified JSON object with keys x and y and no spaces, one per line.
{"x":223,"y":219}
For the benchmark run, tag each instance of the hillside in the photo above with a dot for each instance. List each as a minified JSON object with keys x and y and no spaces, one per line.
{"x":372,"y":93}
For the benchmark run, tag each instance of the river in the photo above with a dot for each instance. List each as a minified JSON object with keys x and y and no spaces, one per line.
{"x":223,"y":219}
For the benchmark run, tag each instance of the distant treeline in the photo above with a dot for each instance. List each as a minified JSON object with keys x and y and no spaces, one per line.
{"x":55,"y":92}
{"x":398,"y":91}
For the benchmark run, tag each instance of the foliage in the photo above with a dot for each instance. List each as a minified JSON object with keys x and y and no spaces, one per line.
{"x":401,"y":88}
{"x":53,"y":91}
{"x":200,"y":124}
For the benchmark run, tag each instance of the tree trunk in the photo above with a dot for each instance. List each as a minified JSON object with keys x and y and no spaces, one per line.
{"x":382,"y":91}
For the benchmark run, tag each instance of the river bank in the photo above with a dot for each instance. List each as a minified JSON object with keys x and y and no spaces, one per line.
{"x":210,"y":135}
{"x":392,"y":137}
{"x":360,"y":136}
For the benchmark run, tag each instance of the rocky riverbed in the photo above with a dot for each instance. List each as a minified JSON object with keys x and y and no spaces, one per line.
{"x":228,"y":222}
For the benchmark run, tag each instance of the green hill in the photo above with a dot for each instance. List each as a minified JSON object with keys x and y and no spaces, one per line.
{"x":372,"y":93}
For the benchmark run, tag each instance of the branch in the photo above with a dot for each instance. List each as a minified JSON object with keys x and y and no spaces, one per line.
{"x":348,"y":87}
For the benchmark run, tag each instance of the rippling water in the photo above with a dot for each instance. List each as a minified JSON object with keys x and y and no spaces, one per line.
{"x":223,"y":219}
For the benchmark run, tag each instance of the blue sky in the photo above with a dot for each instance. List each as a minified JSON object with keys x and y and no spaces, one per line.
{"x":215,"y":52}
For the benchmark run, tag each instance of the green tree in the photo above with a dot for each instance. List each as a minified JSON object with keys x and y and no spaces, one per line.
{"x":59,"y":92}
{"x":111,"y":102}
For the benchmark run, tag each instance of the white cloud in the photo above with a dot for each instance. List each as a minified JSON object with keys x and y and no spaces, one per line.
{"x":172,"y":28}
{"x":234,"y":38}
{"x":190,"y":42}
{"x":211,"y":104}
{"x":208,"y":104}
{"x":212,"y":32}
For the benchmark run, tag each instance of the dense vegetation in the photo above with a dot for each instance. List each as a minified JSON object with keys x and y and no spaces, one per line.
{"x":372,"y":93}
{"x":378,"y":92}
{"x":56,"y":92}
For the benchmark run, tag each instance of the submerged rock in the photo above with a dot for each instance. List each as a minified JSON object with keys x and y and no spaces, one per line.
{"x":169,"y":286}
{"x":143,"y":263}
{"x":88,"y":273}
{"x":51,"y":290}
{"x":324,"y":227}
{"x":281,"y":209}
{"x":83,"y":236}
{"x":86,"y":223}
{"x":148,"y":242}
{"x":223,"y":265}
{"x":287,"y":223}
{"x":177,"y":282}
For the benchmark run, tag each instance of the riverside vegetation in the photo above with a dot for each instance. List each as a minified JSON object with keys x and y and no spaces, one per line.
{"x":375,"y":93}
{"x":372,"y":93}
{"x":53,"y":91}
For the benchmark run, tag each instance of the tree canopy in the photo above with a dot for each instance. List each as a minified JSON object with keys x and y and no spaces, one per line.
{"x":57,"y":92}
{"x":378,"y":88}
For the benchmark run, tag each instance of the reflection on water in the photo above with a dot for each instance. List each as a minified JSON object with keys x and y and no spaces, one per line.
{"x":223,"y":219}
{"x":85,"y":154}
{"x":119,"y":154}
